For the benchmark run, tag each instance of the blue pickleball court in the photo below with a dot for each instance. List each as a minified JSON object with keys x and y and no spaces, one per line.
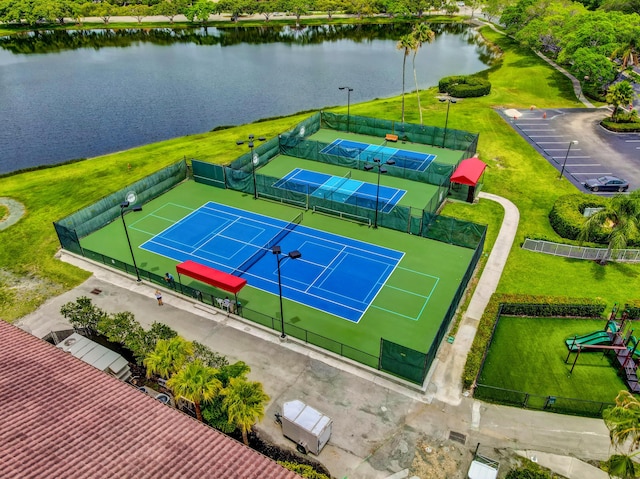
{"x":335,"y":274}
{"x":366,"y":152}
{"x":342,"y":189}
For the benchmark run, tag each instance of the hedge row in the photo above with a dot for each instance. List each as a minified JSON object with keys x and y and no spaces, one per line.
{"x":464,"y":86}
{"x":620,"y":127}
{"x":521,"y":305}
{"x":567,"y":216}
{"x":633,"y":309}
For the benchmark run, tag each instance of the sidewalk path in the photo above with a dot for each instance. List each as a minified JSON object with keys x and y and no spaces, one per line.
{"x":446,"y":381}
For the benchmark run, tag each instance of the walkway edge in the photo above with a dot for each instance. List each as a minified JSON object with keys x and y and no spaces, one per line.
{"x":447,"y":374}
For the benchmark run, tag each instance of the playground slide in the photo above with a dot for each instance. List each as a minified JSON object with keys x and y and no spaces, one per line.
{"x":591,"y":339}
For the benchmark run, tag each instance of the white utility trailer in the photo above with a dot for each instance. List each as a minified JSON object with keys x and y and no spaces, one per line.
{"x":308,"y":428}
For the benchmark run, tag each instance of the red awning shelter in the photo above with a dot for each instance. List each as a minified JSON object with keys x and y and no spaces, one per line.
{"x":214,"y":277}
{"x":468,"y":172}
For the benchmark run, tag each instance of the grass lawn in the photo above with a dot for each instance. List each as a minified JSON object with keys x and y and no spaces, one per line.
{"x":528,"y":354}
{"x":515,"y":171}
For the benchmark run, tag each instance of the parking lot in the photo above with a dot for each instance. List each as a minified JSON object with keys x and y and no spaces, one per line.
{"x":598,"y":152}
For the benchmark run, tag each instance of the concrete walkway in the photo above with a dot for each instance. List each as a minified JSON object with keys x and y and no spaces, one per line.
{"x":378,"y":423}
{"x":447,"y":372}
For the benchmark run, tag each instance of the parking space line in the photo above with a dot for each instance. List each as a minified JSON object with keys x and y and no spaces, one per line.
{"x":546,"y":136}
{"x":592,"y":173}
{"x":548,"y":129}
{"x":632,"y":141}
{"x":555,"y":143}
{"x":583,"y":164}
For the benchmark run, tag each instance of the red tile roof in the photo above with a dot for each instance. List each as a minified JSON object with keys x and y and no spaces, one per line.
{"x":60,"y":417}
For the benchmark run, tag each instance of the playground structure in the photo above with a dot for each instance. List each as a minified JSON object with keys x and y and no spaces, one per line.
{"x":615,"y":337}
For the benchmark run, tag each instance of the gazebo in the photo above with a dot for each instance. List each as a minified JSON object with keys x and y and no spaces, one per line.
{"x":214,"y":277}
{"x":468,"y":173}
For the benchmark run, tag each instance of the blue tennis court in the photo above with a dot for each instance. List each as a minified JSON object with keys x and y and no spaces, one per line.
{"x":366,"y":152}
{"x":341,"y":188}
{"x":335,"y":274}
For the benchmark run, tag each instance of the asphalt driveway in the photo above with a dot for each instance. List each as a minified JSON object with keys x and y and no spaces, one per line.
{"x":598,"y":151}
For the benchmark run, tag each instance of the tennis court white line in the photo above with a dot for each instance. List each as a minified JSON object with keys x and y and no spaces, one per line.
{"x":325,"y":267}
{"x":424,"y":305}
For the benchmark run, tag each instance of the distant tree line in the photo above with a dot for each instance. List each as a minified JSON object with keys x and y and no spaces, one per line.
{"x":34,"y":12}
{"x":594,"y":45}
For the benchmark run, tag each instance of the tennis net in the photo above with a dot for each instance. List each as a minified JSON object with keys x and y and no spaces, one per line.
{"x":258,"y":255}
{"x":331,"y":190}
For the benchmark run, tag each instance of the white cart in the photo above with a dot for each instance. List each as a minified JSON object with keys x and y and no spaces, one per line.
{"x":308,"y":428}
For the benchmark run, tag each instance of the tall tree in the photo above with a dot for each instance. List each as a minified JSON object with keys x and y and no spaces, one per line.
{"x":245,"y":402}
{"x":623,"y":422}
{"x":421,"y":34}
{"x":196,"y":383}
{"x":620,"y":219}
{"x":406,"y":45}
{"x":168,"y":357}
{"x":619,"y":94}
{"x":83,"y":314}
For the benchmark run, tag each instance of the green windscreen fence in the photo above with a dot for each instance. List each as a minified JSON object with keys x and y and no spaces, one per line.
{"x":208,"y":173}
{"x":426,"y":135}
{"x":102,"y":212}
{"x":402,"y":361}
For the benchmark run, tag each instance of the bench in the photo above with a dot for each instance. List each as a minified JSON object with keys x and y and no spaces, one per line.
{"x":390,"y":137}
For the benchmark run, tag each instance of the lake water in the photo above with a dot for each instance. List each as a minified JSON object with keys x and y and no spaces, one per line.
{"x":68,"y":95}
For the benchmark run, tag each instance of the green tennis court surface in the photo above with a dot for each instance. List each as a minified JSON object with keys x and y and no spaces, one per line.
{"x":408,"y":309}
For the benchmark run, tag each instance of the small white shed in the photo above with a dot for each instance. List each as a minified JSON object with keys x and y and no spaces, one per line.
{"x":483,"y":468}
{"x":308,"y":428}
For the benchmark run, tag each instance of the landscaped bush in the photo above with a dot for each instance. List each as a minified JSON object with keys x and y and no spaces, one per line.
{"x":621,"y":126}
{"x":303,"y":470}
{"x":529,"y":471}
{"x":519,"y":305}
{"x":464,"y":86}
{"x":633,"y":308}
{"x":567,"y":215}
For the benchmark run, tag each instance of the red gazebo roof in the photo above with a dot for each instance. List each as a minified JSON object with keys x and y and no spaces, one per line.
{"x":214,"y":277}
{"x":468,"y":172}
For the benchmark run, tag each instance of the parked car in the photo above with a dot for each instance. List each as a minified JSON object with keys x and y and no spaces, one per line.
{"x":606,"y":183}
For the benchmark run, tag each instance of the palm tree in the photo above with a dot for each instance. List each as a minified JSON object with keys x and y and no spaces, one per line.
{"x":406,"y":44}
{"x":621,"y":217}
{"x":168,"y":357}
{"x":628,"y":51}
{"x":623,"y":422}
{"x":244,"y":401}
{"x":619,"y":94}
{"x":196,"y":383}
{"x":421,"y":34}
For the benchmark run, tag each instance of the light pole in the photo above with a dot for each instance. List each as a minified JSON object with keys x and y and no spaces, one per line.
{"x":123,"y":208}
{"x":564,"y":163}
{"x":295,"y":254}
{"x":381,"y":171}
{"x":253,"y":168}
{"x":446,"y":121}
{"x":349,"y":90}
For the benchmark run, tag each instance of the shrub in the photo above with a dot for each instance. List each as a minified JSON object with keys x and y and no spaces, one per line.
{"x":464,"y":86}
{"x":303,"y":470}
{"x":633,"y":307}
{"x":622,"y":125}
{"x":567,"y":215}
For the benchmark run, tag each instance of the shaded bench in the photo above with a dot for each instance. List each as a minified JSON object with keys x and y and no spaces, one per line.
{"x":390,"y":137}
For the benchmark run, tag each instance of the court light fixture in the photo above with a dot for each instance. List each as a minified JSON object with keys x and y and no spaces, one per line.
{"x":255,"y":159}
{"x":446,"y":121}
{"x":381,"y":171}
{"x":124,"y":209}
{"x":295,"y":254}
{"x":564,"y":163}
{"x":349,"y":90}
